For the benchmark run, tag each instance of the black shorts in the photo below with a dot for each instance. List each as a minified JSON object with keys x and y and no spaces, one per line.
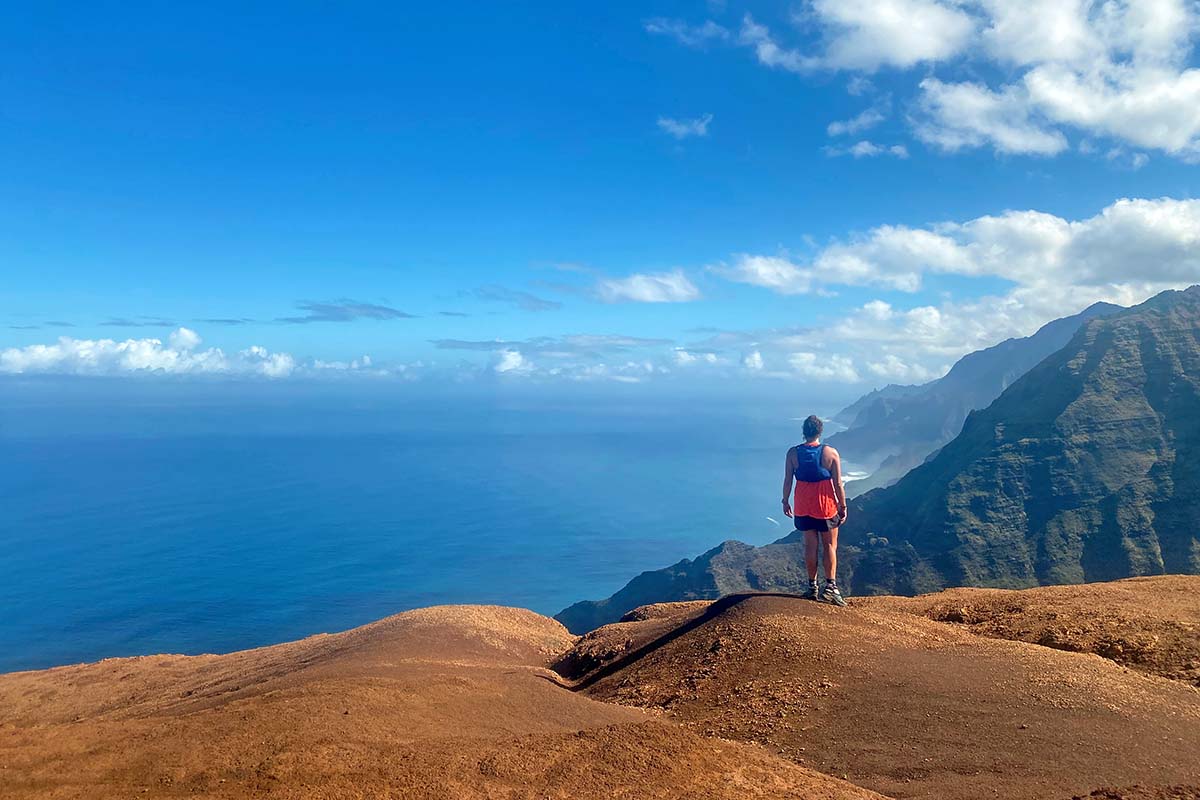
{"x":814,"y":524}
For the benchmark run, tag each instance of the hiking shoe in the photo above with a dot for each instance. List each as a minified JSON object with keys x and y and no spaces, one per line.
{"x":832,"y":595}
{"x":811,"y":592}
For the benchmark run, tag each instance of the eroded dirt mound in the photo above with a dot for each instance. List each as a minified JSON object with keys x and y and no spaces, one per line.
{"x":132,"y":687}
{"x":447,"y":702}
{"x":745,"y":697}
{"x":1144,"y":793}
{"x":665,"y":610}
{"x":609,"y":643}
{"x":915,"y":708}
{"x":1147,"y":624}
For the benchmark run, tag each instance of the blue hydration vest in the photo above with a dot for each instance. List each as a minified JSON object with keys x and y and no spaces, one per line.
{"x":808,"y":464}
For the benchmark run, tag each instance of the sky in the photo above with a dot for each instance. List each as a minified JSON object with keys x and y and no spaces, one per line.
{"x":833,"y":193}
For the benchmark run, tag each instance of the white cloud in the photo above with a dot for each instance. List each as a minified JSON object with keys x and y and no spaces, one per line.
{"x":661,"y":287}
{"x":685,"y":34}
{"x":769,"y":52}
{"x":685,"y":357}
{"x":776,"y":273}
{"x":580,"y":358}
{"x":893,"y":368}
{"x":824,"y":367}
{"x":511,"y":361}
{"x":856,"y":124}
{"x":1131,"y":242}
{"x":354,"y":365}
{"x":963,"y":115}
{"x":1124,"y":254}
{"x":180,"y":356}
{"x":184,"y":339}
{"x":685,"y":128}
{"x":858,"y":86}
{"x":891,"y":256}
{"x":1151,"y":107}
{"x":1122,"y":157}
{"x":1020,"y":34}
{"x":1114,"y":70}
{"x":570,"y":346}
{"x":1015,"y":76}
{"x":1146,"y":241}
{"x":628,"y":372}
{"x":273,"y":365}
{"x":868,"y":149}
{"x":877,"y":309}
{"x":869,"y":34}
{"x":1054,"y":267}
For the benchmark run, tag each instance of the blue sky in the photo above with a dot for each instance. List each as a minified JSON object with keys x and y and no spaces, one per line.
{"x":853,"y":193}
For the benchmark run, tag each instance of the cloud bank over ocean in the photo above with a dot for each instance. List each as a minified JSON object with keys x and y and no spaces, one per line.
{"x":1052,"y":266}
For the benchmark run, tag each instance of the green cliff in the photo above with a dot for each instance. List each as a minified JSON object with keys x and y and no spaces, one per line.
{"x":1083,"y":470}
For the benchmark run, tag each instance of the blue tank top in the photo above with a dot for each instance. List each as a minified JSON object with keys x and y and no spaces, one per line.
{"x":808,"y":464}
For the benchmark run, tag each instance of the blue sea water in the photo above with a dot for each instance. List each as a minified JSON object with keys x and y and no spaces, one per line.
{"x":136,"y":528}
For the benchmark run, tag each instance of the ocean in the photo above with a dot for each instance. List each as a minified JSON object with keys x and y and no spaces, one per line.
{"x":156,"y":525}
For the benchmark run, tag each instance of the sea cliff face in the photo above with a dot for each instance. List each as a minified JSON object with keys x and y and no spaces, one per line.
{"x":896,"y":428}
{"x":1085,"y":469}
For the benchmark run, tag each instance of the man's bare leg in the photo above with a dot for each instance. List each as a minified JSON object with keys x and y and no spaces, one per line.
{"x":810,"y":553}
{"x":831,"y":594}
{"x":811,"y":544}
{"x":828,"y":555}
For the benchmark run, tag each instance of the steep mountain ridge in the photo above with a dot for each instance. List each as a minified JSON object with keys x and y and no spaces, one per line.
{"x":894,"y":429}
{"x":875,"y":404}
{"x":1083,"y":470}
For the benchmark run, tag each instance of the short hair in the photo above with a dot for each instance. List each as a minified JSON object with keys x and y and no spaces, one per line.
{"x":813,"y":427}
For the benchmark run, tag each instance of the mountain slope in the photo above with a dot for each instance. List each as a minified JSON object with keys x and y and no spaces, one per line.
{"x":876,"y":404}
{"x":1084,"y":469}
{"x":894,"y":429}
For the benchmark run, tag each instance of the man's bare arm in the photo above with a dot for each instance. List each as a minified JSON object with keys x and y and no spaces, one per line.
{"x":839,"y":490}
{"x":789,"y":468}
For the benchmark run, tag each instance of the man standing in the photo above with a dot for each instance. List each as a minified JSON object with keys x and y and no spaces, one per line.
{"x":818,"y":506}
